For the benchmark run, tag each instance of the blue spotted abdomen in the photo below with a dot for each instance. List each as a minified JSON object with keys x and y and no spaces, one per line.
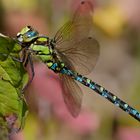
{"x":103,"y":92}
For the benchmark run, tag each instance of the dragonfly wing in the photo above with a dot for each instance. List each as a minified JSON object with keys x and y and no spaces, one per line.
{"x":72,"y":95}
{"x":82,"y":55}
{"x":79,"y":26}
{"x":74,"y":42}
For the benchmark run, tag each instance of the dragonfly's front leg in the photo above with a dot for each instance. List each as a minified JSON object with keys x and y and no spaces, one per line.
{"x":29,"y":59}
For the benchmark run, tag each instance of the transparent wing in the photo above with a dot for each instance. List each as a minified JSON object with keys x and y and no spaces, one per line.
{"x":72,"y":95}
{"x":82,"y":55}
{"x":79,"y":26}
{"x":74,"y":42}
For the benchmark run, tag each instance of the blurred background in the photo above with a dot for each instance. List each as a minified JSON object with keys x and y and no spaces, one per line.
{"x":117,"y":28}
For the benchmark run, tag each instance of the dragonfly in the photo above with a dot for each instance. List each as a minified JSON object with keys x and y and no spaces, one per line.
{"x":71,"y":53}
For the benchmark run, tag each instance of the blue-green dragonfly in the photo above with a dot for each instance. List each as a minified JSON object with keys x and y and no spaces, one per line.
{"x":73,"y":50}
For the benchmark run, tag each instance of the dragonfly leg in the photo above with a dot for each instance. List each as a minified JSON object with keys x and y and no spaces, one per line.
{"x":32,"y":72}
{"x":32,"y":68}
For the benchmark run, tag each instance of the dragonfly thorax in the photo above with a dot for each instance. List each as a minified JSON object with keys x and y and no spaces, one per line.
{"x":44,"y":49}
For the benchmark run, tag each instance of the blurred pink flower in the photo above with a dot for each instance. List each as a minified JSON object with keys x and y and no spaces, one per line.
{"x":129,"y":134}
{"x":86,"y":123}
{"x":48,"y":86}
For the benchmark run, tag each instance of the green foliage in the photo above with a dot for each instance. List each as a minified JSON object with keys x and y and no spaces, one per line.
{"x":13,"y":78}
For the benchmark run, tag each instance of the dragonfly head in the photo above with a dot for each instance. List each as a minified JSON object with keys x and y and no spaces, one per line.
{"x":27,"y":34}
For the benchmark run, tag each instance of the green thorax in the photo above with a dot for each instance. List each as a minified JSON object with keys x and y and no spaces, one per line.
{"x":43,"y":48}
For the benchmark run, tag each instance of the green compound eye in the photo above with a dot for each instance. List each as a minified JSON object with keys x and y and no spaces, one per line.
{"x":27,"y":34}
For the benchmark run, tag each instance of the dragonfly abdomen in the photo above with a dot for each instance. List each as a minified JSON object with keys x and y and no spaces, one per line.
{"x":56,"y":66}
{"x":103,"y":92}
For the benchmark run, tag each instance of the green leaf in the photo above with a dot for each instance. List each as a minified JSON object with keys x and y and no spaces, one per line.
{"x":13,"y":77}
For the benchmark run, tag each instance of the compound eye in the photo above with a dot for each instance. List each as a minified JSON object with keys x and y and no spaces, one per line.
{"x":31,"y":34}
